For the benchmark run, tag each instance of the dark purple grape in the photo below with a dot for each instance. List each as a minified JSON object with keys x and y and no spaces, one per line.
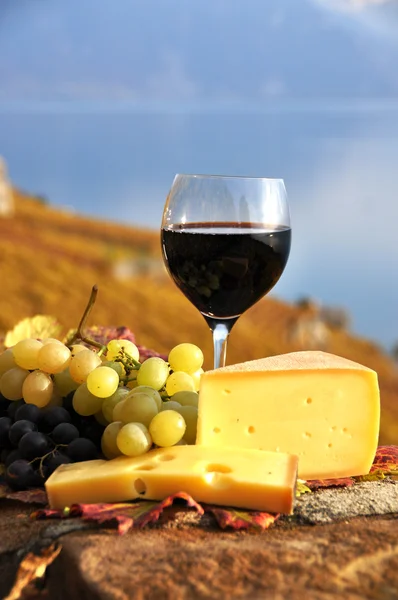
{"x":4,"y":404}
{"x":52,"y":417}
{"x":33,"y":445}
{"x":21,"y":475}
{"x":12,"y":456}
{"x":28,"y":412}
{"x":82,"y":449}
{"x":13,"y":407}
{"x":53,"y":461}
{"x":64,"y":433}
{"x":3,"y":455}
{"x":67,"y":403}
{"x":92,"y":431}
{"x":19,"y":429}
{"x":5,"y":426}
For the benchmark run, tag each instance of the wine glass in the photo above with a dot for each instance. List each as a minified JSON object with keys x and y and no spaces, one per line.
{"x":225,"y":242}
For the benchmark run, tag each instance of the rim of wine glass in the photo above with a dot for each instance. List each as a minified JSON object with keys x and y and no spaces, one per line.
{"x":204,"y":176}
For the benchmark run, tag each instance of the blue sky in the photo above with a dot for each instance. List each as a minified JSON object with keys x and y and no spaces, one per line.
{"x":101,"y":103}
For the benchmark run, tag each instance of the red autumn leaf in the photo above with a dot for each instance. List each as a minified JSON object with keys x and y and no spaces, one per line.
{"x":32,"y":496}
{"x":126,"y":514}
{"x":103,"y":335}
{"x":241,"y":519}
{"x":386,"y":459}
{"x":315,"y":484}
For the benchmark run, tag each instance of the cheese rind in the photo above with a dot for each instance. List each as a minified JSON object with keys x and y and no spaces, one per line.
{"x":321,"y":407}
{"x":263,"y":481}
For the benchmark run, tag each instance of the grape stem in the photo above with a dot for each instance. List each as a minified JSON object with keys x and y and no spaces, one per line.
{"x":79,"y":334}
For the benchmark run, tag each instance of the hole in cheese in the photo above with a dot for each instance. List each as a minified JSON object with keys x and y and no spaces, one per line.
{"x":140,"y":486}
{"x":330,"y":445}
{"x":218,"y":480}
{"x":251,"y":429}
{"x":216,"y":430}
{"x":308,"y":401}
{"x":146,"y":467}
{"x":164,"y":457}
{"x":213,"y":468}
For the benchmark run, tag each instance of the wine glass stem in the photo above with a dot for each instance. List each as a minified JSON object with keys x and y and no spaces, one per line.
{"x":220,"y":338}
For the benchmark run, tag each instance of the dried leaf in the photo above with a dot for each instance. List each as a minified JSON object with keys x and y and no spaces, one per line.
{"x":125,"y":514}
{"x":386,"y":459}
{"x":315,"y":484}
{"x":38,"y":327}
{"x":241,"y":519}
{"x":373,"y":476}
{"x":32,"y":496}
{"x":302,"y":488}
{"x":32,"y":567}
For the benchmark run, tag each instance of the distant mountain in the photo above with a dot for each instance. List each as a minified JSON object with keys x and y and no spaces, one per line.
{"x":50,"y":259}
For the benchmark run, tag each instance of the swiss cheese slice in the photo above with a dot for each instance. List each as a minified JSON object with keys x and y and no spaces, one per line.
{"x":321,"y":407}
{"x":264,"y":481}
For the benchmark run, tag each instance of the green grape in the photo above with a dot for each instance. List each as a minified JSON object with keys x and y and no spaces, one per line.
{"x":38,"y":389}
{"x":190,"y":414}
{"x":114,"y":347}
{"x":50,"y":341}
{"x":170,"y":405}
{"x":64,"y":383}
{"x":186,"y":357}
{"x":11,"y":383}
{"x":132,"y":440}
{"x":7,"y":361}
{"x":150,"y":391}
{"x":186,"y":398}
{"x":108,"y":441}
{"x":179,"y":382}
{"x":99,"y":417}
{"x":167,"y":428}
{"x":138,"y":408}
{"x":84,"y":402}
{"x":26,"y":353}
{"x":54,"y":358}
{"x":76,"y":348}
{"x":196,"y":378}
{"x":109,"y":404}
{"x":116,"y":415}
{"x":82,"y":364}
{"x":102,"y":382}
{"x":116,"y":366}
{"x":153,"y":372}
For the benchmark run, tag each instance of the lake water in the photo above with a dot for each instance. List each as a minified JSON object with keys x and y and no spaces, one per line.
{"x":339,"y":163}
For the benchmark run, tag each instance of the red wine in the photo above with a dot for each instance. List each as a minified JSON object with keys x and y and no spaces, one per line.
{"x":224,"y":268}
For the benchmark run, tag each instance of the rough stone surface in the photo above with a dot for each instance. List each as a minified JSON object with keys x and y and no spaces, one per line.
{"x":355,"y":560}
{"x":362,"y":499}
{"x":190,"y":558}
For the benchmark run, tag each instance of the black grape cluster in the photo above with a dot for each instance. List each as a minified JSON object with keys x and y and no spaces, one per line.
{"x":35,"y":441}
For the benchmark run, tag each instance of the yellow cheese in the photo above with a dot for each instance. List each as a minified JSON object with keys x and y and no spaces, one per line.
{"x":324,"y":408}
{"x":242,"y":478}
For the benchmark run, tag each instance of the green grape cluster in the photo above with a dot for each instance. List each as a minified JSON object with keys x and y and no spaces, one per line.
{"x":157,"y":407}
{"x":138,"y":405}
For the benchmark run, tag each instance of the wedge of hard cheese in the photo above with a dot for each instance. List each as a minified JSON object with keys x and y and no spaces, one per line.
{"x":264,"y":481}
{"x":322,"y":407}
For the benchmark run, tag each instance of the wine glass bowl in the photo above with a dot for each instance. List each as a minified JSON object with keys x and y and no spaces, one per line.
{"x":225,"y":242}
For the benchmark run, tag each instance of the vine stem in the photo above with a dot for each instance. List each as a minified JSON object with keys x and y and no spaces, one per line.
{"x":79,"y":335}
